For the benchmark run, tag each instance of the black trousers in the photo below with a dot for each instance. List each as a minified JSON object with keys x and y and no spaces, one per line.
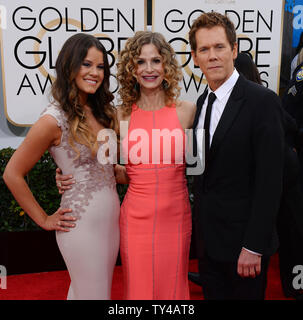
{"x":222,"y":282}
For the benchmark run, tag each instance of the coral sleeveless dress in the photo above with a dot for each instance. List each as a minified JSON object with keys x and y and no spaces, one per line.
{"x":155,"y":216}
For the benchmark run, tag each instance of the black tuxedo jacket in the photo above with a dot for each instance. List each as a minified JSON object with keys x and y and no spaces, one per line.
{"x":237,"y":197}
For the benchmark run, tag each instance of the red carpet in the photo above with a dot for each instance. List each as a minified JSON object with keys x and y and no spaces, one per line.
{"x":54,"y":285}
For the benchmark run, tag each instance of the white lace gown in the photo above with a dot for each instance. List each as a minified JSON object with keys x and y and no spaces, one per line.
{"x":90,"y":249}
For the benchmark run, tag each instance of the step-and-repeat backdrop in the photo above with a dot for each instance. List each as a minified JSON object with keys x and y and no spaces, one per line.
{"x":33,"y":32}
{"x":258,"y":25}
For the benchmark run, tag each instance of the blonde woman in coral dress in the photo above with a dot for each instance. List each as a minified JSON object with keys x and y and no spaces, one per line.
{"x":155,"y":217}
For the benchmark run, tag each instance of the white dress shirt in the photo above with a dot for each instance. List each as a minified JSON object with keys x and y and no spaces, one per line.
{"x":222,"y":94}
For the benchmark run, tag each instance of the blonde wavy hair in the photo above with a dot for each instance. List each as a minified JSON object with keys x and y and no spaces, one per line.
{"x":65,"y":92}
{"x":127,"y":66}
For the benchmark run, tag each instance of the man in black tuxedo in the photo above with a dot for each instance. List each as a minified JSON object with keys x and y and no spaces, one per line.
{"x":237,"y":197}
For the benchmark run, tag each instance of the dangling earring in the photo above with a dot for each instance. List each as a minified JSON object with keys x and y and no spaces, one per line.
{"x":165,"y":85}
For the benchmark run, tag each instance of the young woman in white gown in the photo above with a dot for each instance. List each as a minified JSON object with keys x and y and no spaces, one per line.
{"x":87,"y":222}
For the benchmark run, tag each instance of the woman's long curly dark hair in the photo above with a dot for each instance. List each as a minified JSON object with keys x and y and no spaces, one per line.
{"x":66,"y":93}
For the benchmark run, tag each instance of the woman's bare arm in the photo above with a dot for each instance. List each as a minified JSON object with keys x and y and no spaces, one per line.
{"x":42,"y":135}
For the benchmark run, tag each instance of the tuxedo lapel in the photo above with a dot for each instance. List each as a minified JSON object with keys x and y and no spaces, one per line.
{"x":200,"y":102}
{"x":232,"y":108}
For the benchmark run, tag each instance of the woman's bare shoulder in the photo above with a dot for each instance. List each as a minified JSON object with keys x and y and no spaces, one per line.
{"x":186,"y":111}
{"x":186,"y":106}
{"x":121,"y":115}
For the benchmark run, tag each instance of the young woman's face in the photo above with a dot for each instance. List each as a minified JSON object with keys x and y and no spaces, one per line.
{"x":91,"y":73}
{"x":150,"y":69}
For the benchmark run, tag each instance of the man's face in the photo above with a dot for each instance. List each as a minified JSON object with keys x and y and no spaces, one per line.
{"x":214,"y":55}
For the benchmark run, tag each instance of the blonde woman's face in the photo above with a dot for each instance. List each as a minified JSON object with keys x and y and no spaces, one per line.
{"x":91,"y":73}
{"x":150,"y":69}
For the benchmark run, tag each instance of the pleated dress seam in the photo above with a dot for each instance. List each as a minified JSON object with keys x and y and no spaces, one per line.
{"x":155,"y":220}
